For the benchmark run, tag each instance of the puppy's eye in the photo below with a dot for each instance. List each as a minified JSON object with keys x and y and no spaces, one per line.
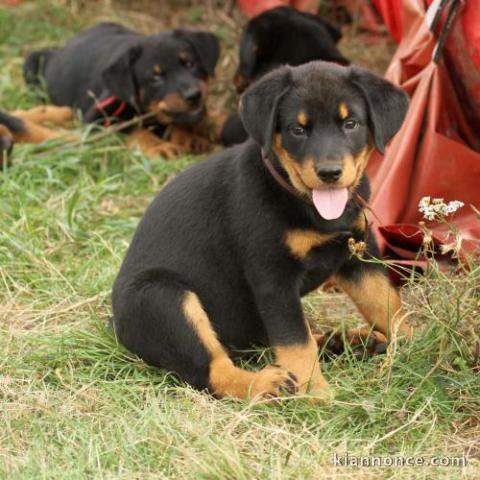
{"x":350,"y":124}
{"x":298,"y":131}
{"x":189,"y":64}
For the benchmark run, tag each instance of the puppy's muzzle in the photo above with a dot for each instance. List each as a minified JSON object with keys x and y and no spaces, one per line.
{"x":329,"y":173}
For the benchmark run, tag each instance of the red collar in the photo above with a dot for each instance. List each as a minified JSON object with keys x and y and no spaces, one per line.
{"x":106,"y":102}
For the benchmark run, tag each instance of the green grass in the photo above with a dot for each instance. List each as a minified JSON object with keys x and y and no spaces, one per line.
{"x":75,"y":404}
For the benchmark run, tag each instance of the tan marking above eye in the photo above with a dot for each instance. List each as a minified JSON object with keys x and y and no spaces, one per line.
{"x":302,"y":118}
{"x":343,"y":111}
{"x":157,"y":69}
{"x":184,"y":56}
{"x":300,"y":242}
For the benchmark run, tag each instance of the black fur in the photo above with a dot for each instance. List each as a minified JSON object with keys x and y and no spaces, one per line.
{"x":218,"y":230}
{"x":280,"y":36}
{"x":111,"y":60}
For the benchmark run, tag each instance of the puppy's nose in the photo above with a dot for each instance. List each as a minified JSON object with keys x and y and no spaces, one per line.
{"x":329,"y":173}
{"x":193,"y":96}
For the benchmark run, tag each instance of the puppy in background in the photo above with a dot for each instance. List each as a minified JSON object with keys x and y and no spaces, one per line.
{"x":280,"y":36}
{"x":112,"y":74}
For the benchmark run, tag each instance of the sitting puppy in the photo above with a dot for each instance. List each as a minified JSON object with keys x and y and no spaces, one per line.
{"x":112,"y":73}
{"x":224,"y":253}
{"x":280,"y":36}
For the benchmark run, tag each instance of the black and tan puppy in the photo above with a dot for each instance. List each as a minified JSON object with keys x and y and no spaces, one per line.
{"x":224,"y":253}
{"x":112,"y":73}
{"x":276,"y":37}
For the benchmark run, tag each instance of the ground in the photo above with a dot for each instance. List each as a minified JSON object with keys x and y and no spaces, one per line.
{"x":75,"y":404}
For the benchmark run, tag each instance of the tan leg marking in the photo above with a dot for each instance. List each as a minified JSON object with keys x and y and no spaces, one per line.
{"x":227,"y":380}
{"x":47,"y":114}
{"x":188,"y":140}
{"x":300,"y":242}
{"x":378,"y":301}
{"x":35,"y":133}
{"x":5,"y":132}
{"x":302,"y":361}
{"x":153,"y":146}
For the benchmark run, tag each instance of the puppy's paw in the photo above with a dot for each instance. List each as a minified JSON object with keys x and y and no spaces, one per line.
{"x":363,"y":342}
{"x":273,"y":381}
{"x":167,"y":150}
{"x":189,"y":141}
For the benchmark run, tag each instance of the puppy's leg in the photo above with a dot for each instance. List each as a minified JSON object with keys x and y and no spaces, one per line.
{"x":25,"y":131}
{"x":376,"y":298}
{"x":189,"y":140}
{"x":167,"y":326}
{"x":61,"y":116}
{"x":293,"y":344}
{"x":153,"y":146}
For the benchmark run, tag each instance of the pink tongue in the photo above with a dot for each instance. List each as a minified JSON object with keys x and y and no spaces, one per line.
{"x":330,"y":203}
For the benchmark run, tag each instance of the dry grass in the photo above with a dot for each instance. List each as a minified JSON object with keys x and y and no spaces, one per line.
{"x":74,"y":404}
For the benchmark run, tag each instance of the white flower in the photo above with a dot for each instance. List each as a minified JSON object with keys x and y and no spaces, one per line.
{"x":436,"y":208}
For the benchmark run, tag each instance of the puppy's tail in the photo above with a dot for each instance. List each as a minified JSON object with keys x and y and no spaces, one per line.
{"x":34,"y":67}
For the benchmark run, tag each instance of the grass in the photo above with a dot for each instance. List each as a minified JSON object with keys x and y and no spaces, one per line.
{"x":75,"y":404}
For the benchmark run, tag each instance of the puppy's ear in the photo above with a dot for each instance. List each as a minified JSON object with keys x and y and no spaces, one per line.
{"x":259,"y":105}
{"x":118,"y":75}
{"x":247,"y":55}
{"x":387,"y":105}
{"x":204,"y":44}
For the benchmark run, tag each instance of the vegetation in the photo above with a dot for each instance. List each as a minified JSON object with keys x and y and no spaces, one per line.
{"x":75,"y":404}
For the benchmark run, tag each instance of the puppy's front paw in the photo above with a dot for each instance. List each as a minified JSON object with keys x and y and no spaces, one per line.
{"x":189,"y":141}
{"x":272,"y":381}
{"x":167,"y":150}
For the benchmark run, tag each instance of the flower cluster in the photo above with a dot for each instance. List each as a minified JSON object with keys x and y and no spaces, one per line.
{"x":436,"y":208}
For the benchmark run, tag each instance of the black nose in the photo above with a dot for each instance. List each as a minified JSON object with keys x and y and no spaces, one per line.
{"x":193,"y":96}
{"x":329,"y":173}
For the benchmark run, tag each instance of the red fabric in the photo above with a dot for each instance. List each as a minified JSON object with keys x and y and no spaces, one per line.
{"x":391,"y":12}
{"x":437,"y":152}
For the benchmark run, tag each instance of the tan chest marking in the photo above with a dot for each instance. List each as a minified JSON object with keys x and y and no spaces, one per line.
{"x":300,"y":242}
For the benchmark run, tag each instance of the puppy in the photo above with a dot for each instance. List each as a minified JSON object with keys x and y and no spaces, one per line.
{"x":112,"y":73}
{"x":280,"y":36}
{"x":226,"y":250}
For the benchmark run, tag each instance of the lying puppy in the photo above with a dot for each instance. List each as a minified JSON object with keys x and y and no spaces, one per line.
{"x":224,"y":253}
{"x":112,"y":73}
{"x":280,"y":36}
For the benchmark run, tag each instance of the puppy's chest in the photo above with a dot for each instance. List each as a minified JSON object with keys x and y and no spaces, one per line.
{"x":312,"y":248}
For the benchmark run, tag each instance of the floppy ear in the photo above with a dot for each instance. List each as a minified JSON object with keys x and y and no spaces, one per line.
{"x":205,"y":46}
{"x":387,"y":105}
{"x":118,"y":75}
{"x":259,"y":105}
{"x":247,"y":55}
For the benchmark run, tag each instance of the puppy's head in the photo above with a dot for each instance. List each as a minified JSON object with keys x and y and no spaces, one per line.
{"x":322,"y":121}
{"x":166,"y":74}
{"x":284,"y":35}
